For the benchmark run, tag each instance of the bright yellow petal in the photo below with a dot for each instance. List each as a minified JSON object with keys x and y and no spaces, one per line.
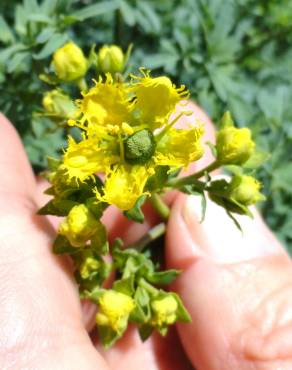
{"x":156,"y":98}
{"x":107,"y":102}
{"x":124,"y":185}
{"x":179,"y":147}
{"x":82,"y":160}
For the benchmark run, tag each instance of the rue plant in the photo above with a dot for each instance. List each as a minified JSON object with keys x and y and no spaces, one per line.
{"x":125,"y":149}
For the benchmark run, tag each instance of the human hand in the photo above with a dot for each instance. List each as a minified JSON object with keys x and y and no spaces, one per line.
{"x":236,"y":288}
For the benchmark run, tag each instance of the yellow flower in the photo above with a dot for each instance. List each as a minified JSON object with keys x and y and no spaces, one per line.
{"x":88,"y":266}
{"x":83,"y":159}
{"x":156,"y":98}
{"x":178,"y":147}
{"x":59,"y":104}
{"x":79,"y":226}
{"x":234,"y":145}
{"x":69,"y":62}
{"x":106,"y":103}
{"x":118,"y":141}
{"x":115,"y":309}
{"x":245,"y":190}
{"x":124,"y":185}
{"x":164,"y":311}
{"x":111,"y":59}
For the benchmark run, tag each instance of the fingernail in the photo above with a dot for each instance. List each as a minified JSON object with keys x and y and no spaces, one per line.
{"x":218,"y":238}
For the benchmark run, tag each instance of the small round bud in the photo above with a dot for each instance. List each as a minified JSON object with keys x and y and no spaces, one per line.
{"x":111,"y":59}
{"x":164,"y":310}
{"x":79,"y":226}
{"x":139,"y":147}
{"x":114,"y":310}
{"x":245,"y":190}
{"x":57,"y":103}
{"x":69,"y":62}
{"x":234,"y":145}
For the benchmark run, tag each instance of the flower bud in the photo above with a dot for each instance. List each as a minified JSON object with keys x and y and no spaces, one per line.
{"x":57,"y":103}
{"x":139,"y":147}
{"x":69,"y":62}
{"x":164,"y":311}
{"x":88,"y":266}
{"x":111,"y":59}
{"x":245,"y":190}
{"x":79,"y":226}
{"x":234,"y":145}
{"x":115,"y":308}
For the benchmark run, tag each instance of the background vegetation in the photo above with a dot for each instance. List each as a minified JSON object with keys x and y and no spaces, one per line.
{"x":232,"y":54}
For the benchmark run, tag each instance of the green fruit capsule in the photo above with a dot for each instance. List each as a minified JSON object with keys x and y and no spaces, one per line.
{"x":139,"y":147}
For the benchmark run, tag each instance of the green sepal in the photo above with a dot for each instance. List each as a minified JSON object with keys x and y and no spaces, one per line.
{"x":136,"y":214}
{"x":212,"y":148}
{"x":62,"y":245}
{"x":96,"y":208}
{"x":142,"y":311}
{"x":125,"y":286}
{"x":145,"y":332}
{"x":108,"y":336}
{"x":162,"y":277}
{"x":182,"y":313}
{"x":99,"y":241}
{"x":57,"y":207}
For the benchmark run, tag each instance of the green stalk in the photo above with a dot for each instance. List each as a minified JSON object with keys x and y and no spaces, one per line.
{"x":160,"y":207}
{"x":191,"y":179}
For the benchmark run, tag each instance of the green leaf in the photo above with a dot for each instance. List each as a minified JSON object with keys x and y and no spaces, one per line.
{"x":6,"y":34}
{"x":56,"y":41}
{"x":17,"y":60}
{"x":128,"y":13}
{"x":94,"y":10}
{"x":136,"y":214}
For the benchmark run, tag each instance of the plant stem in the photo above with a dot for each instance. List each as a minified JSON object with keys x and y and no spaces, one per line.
{"x":188,"y":180}
{"x":154,"y":233}
{"x":160,"y":207}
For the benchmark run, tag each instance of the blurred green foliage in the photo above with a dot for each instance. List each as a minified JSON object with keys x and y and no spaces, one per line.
{"x":232,"y":54}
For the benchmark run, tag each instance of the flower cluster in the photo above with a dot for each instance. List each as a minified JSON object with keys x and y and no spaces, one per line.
{"x":125,"y":148}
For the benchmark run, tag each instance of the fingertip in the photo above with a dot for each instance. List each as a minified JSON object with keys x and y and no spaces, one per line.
{"x":16,"y":173}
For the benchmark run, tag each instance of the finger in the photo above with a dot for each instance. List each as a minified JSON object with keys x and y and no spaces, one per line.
{"x":236,"y":287}
{"x":130,"y":353}
{"x":39,"y":313}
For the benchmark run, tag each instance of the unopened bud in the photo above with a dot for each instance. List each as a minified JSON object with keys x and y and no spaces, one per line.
{"x":69,"y":62}
{"x":111,"y":59}
{"x":245,"y":190}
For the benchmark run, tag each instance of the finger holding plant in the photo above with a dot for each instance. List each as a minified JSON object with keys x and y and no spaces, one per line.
{"x":129,"y":151}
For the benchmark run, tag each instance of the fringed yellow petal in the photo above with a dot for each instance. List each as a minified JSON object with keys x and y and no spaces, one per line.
{"x":107,"y":102}
{"x":124,"y":185}
{"x":179,"y":147}
{"x":156,"y":98}
{"x":82,"y":160}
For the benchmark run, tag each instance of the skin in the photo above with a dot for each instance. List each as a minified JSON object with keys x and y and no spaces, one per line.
{"x":237,"y":288}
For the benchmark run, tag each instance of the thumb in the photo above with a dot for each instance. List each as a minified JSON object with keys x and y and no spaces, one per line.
{"x":237,"y":288}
